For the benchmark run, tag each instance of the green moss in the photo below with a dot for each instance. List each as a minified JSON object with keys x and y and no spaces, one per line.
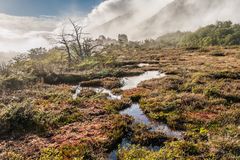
{"x":192,"y":83}
{"x":120,"y":129}
{"x":160,"y":104}
{"x":68,"y":116}
{"x":55,"y":97}
{"x":141,"y":135}
{"x":196,"y":135}
{"x":215,"y":92}
{"x":136,"y":152}
{"x":197,"y":89}
{"x":176,"y":121}
{"x":11,"y":155}
{"x":88,"y":63}
{"x":116,"y":105}
{"x":225,"y":75}
{"x":16,"y":82}
{"x":160,"y":116}
{"x":212,"y":92}
{"x":229,"y":149}
{"x":79,"y":152}
{"x":76,"y":102}
{"x":229,"y":118}
{"x":217,"y":101}
{"x":173,"y":150}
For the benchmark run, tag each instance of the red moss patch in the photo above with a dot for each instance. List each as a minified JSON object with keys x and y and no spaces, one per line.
{"x":136,"y":91}
{"x":27,"y":146}
{"x":202,"y":116}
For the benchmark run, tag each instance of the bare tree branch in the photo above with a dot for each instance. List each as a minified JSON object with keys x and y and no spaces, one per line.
{"x":77,"y":44}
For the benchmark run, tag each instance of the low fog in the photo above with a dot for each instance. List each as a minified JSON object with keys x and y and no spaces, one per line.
{"x":139,"y":19}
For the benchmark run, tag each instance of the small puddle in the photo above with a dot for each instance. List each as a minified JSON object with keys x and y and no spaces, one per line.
{"x":125,"y":143}
{"x":136,"y":113}
{"x":111,"y":96}
{"x":143,"y":65}
{"x":132,"y":82}
{"x":77,"y":92}
{"x":139,"y":117}
{"x":109,"y":92}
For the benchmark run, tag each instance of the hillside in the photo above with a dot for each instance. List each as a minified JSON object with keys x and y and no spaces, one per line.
{"x":221,"y":33}
{"x":178,"y":15}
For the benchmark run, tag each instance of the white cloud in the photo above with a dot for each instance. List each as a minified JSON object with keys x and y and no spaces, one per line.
{"x":112,"y":17}
{"x":19,"y":34}
{"x":135,"y":11}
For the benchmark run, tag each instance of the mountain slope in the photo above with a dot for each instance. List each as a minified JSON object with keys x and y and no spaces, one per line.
{"x":183,"y":15}
{"x":188,"y":15}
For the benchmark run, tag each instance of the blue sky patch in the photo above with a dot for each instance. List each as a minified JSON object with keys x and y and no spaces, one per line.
{"x":46,"y":7}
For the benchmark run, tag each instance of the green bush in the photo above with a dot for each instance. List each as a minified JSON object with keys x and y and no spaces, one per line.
{"x":217,"y":54}
{"x":12,"y":83}
{"x":221,"y":33}
{"x":20,"y":119}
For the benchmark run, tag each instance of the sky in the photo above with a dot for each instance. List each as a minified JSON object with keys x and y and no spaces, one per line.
{"x":45,"y":7}
{"x":27,"y":24}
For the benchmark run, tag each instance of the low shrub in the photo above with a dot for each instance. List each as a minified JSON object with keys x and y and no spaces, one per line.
{"x":225,"y":75}
{"x":217,"y":54}
{"x":141,"y":135}
{"x":20,"y":119}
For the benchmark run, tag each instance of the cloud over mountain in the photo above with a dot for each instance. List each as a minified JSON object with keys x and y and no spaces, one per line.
{"x":150,"y":18}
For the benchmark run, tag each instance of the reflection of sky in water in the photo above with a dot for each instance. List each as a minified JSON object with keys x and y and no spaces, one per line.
{"x":109,"y":92}
{"x":139,"y":117}
{"x":137,"y":113}
{"x":132,"y":82}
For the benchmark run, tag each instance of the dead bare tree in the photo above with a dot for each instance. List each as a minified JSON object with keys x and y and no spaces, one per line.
{"x":64,"y":41}
{"x":77,"y":36}
{"x":77,"y":44}
{"x":88,"y":46}
{"x":36,"y":53}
